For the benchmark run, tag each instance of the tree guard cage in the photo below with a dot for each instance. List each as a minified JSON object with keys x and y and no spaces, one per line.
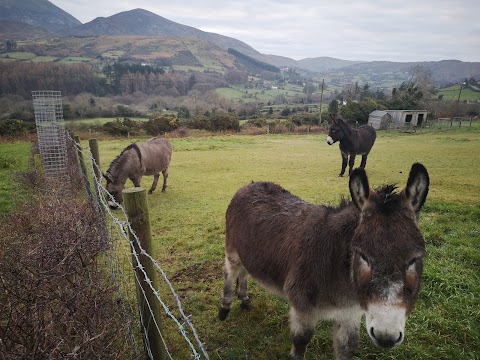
{"x":51,"y":132}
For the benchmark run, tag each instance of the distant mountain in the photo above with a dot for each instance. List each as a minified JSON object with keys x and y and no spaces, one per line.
{"x":324,"y":63}
{"x":443,"y":72}
{"x":38,"y":13}
{"x":143,"y":22}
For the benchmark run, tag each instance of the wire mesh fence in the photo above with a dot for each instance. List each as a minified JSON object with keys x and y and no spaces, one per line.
{"x":51,"y":132}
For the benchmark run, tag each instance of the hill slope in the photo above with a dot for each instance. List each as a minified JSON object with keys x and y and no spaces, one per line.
{"x":40,"y":13}
{"x":16,"y":30}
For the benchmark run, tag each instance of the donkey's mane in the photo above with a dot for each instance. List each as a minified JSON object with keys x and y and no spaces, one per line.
{"x":387,"y":197}
{"x":119,"y":162}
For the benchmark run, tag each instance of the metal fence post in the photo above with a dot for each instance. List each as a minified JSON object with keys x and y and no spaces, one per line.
{"x":136,"y":205}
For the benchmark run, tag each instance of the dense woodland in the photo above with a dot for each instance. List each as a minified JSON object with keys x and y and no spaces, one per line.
{"x":19,"y":78}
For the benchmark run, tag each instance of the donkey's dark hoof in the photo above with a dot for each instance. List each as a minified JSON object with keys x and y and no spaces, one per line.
{"x":340,"y":175}
{"x":245,"y":305}
{"x":150,"y":192}
{"x":223,"y":313}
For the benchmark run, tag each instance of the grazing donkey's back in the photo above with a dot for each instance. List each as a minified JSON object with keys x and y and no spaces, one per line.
{"x":364,"y":257}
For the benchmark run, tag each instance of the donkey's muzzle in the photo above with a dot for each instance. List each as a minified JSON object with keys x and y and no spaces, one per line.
{"x":385,"y":340}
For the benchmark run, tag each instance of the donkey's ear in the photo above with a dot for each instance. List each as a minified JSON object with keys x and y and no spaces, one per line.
{"x":359,"y":188}
{"x":332,"y":119}
{"x":416,"y":190}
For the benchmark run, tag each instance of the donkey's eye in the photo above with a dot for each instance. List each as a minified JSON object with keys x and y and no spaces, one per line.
{"x":411,"y":264}
{"x":364,"y":259}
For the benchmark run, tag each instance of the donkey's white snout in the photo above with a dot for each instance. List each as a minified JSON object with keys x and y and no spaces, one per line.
{"x":330,"y":140}
{"x":386,"y":325}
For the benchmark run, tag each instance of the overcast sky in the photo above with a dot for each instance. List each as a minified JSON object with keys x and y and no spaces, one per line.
{"x":407,"y":30}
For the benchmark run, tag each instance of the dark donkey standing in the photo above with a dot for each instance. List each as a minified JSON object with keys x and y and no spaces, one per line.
{"x":363,"y":258}
{"x":142,"y":158}
{"x":353,"y":142}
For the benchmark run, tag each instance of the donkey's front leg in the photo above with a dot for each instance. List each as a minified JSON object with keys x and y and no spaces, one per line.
{"x":165,"y":178}
{"x":364,"y":161}
{"x":351,"y":162}
{"x":346,"y":333}
{"x":344,"y":164}
{"x":302,"y":328}
{"x":154,"y":184}
{"x":136,"y":181}
{"x":233,"y":267}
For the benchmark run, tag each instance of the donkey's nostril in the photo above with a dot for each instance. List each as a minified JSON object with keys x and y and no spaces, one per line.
{"x":400,"y":338}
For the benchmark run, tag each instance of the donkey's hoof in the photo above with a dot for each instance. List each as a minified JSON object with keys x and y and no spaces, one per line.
{"x":245,"y":305}
{"x":340,"y":175}
{"x":223,"y":313}
{"x":150,"y":192}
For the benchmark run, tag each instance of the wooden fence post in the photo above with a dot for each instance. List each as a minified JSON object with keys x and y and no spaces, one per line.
{"x":82,"y":167}
{"x":135,"y":200}
{"x":38,"y":163}
{"x":93,"y":144}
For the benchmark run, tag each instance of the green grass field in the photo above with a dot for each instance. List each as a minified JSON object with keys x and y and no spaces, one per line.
{"x":452,"y":93}
{"x":247,"y":95}
{"x":97,"y":121}
{"x":187,"y":224}
{"x":14,"y":157}
{"x":188,"y":230}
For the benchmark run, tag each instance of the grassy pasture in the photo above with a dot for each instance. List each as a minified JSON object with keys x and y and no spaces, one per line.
{"x":188,"y":231}
{"x":98,"y":121}
{"x":246,"y":95}
{"x":19,"y":55}
{"x":13,"y":158}
{"x":452,"y":93}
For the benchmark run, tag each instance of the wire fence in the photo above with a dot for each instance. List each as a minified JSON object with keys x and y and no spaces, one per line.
{"x":122,"y":259}
{"x":51,"y":131}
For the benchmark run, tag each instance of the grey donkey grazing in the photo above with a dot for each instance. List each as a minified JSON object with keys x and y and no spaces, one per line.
{"x":151,"y":157}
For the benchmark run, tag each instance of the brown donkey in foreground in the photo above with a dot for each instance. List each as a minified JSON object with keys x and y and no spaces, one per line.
{"x":363,"y":258}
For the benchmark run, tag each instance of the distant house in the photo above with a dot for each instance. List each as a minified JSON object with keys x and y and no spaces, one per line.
{"x":396,"y":119}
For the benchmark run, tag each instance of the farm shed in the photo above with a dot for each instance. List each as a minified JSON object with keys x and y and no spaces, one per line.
{"x":398,"y":118}
{"x":379,"y":119}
